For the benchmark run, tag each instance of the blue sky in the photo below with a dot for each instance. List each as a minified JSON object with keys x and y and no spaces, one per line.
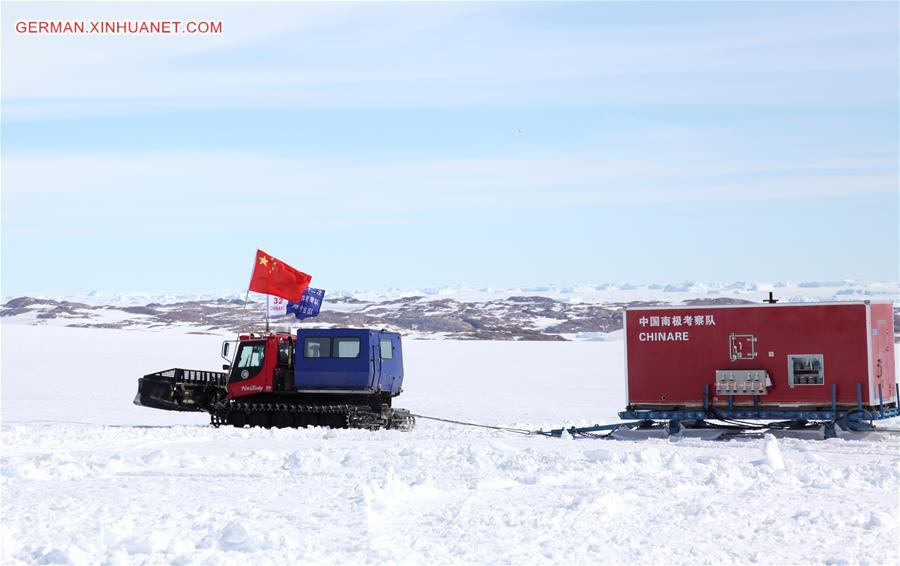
{"x":428,"y":144}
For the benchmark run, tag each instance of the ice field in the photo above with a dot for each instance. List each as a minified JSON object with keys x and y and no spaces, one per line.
{"x":89,"y":478}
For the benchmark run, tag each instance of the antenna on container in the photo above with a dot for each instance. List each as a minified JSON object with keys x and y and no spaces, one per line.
{"x":771,"y":300}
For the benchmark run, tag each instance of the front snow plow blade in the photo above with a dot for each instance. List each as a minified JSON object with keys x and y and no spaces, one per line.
{"x":181,"y":390}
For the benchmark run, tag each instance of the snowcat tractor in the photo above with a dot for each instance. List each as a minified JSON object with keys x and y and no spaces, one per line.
{"x":340,"y":378}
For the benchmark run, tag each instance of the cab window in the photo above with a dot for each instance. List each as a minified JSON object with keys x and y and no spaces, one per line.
{"x":317,"y":347}
{"x":284,"y":354}
{"x":387,"y":350}
{"x":346,"y":347}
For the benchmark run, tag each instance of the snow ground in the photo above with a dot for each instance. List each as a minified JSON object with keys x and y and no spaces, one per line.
{"x":89,"y":478}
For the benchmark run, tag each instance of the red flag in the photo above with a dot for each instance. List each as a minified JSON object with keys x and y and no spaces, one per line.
{"x":275,"y":277}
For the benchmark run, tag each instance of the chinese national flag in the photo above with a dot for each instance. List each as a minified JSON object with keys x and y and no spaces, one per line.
{"x":275,"y":277}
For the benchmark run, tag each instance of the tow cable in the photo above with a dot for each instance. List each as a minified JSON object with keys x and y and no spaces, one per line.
{"x":522,"y":431}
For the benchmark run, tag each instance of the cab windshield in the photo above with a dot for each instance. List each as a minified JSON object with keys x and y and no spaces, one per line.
{"x":249,"y":360}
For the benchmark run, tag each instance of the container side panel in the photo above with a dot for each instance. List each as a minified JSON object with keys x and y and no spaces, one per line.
{"x":673,"y":353}
{"x":331,"y":372}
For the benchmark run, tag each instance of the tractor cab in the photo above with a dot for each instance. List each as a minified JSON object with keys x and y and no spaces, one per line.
{"x":261,"y":364}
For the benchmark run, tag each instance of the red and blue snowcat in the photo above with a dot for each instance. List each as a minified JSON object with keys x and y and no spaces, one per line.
{"x":341,"y":378}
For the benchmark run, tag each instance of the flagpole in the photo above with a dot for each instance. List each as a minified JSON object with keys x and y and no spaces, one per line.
{"x":244,"y":310}
{"x":247,"y":296}
{"x":268,"y":298}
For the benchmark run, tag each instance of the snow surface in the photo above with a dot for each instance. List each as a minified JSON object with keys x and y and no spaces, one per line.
{"x":89,"y":478}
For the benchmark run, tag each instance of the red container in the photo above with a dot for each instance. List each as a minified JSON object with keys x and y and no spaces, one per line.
{"x":787,"y":355}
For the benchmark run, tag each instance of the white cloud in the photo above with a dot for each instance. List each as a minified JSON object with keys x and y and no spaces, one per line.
{"x":309,"y":54}
{"x":199,"y":192}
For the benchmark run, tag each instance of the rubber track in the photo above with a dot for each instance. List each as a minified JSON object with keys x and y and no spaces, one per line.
{"x":354,"y":416}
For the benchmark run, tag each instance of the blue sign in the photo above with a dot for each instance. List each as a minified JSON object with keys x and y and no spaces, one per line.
{"x":309,"y":304}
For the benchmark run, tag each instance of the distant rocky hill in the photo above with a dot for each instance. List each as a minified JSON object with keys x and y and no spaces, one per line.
{"x":509,"y":318}
{"x":540,"y":313}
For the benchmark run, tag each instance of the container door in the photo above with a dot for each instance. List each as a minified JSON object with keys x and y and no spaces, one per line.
{"x":391,"y":363}
{"x":882,"y":359}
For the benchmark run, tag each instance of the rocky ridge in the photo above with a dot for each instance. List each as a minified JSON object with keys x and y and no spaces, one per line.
{"x":511,"y":318}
